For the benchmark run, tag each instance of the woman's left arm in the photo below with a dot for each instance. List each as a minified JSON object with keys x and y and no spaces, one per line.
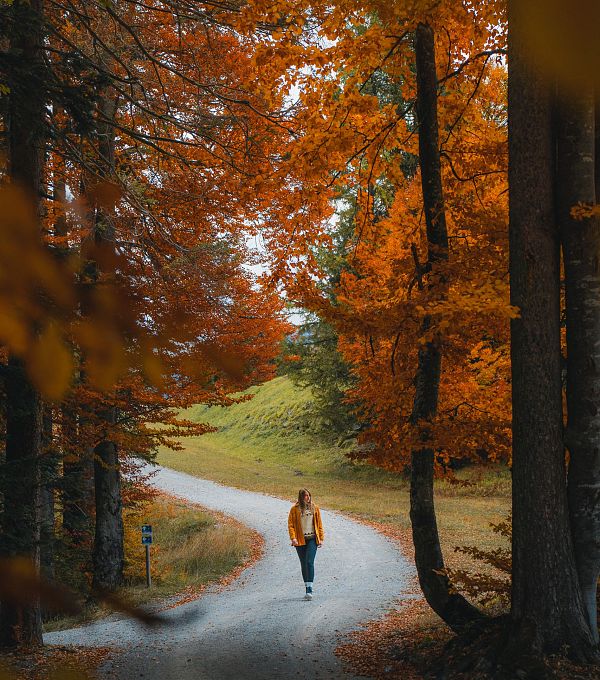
{"x":320,"y":523}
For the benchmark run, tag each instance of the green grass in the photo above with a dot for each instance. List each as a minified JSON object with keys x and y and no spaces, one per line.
{"x":267,"y":444}
{"x":191,"y":548}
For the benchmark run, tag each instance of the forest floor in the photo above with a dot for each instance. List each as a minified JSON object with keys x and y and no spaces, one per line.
{"x":194,"y":549}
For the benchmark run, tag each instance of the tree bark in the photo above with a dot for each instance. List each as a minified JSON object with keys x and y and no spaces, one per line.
{"x":77,"y":484}
{"x":547,"y":613}
{"x":581,"y":257}
{"x":449,"y":605}
{"x":78,"y":499}
{"x":49,"y":469}
{"x":20,"y":623}
{"x":597,"y":144}
{"x":108,"y":555}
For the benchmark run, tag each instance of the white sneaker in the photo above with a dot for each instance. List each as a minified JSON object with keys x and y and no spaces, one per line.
{"x":309,"y":594}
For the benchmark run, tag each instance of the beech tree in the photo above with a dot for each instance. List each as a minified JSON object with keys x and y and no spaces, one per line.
{"x":403,"y":301}
{"x":448,"y":604}
{"x":547,"y":610}
{"x":575,"y":186}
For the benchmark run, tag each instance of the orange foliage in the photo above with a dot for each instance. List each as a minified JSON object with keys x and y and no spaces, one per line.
{"x":256,"y":126}
{"x":168,"y":310}
{"x":352,"y":66}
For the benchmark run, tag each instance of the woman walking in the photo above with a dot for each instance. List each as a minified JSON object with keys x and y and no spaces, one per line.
{"x":306,"y":534}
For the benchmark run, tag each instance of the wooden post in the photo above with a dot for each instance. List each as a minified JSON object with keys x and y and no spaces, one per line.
{"x":148,"y":574}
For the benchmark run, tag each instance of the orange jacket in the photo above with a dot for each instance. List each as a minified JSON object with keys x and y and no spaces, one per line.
{"x":295,"y":525}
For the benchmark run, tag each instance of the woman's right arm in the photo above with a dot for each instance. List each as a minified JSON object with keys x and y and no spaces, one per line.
{"x":292,"y":528}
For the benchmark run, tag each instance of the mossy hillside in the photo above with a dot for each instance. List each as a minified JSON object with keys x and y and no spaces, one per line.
{"x":277,"y":409}
{"x":275,"y":436}
{"x":270,"y":444}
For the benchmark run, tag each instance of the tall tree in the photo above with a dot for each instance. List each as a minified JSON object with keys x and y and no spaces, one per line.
{"x":575,"y":186}
{"x":108,"y":553}
{"x":20,"y":622}
{"x":387,"y":323}
{"x":185,"y":315}
{"x":547,"y":611}
{"x":443,"y":599}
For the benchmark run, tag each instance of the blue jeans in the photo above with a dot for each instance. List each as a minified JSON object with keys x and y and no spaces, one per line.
{"x":307,"y":553}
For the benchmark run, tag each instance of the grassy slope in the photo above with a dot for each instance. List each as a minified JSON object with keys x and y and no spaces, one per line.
{"x":266,"y":444}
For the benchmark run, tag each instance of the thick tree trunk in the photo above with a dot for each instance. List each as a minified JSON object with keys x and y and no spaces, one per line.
{"x":547,"y":613}
{"x":108,"y":555}
{"x":449,"y":605}
{"x":20,"y":622}
{"x":49,"y":468}
{"x":581,"y":256}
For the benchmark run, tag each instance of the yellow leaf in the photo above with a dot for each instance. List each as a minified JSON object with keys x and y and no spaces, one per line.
{"x":152,"y":367}
{"x":562,"y":37}
{"x":13,"y":332}
{"x":50,"y":364}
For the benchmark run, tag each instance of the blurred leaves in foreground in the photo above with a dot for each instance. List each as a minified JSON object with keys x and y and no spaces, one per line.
{"x":21,"y":584}
{"x":563,"y":37}
{"x":43,"y":297}
{"x":58,"y":306}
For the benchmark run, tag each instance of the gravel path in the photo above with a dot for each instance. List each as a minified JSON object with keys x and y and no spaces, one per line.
{"x":260,"y":627}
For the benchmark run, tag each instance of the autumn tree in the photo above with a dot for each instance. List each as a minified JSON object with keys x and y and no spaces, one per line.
{"x":19,"y":622}
{"x":415,"y":288}
{"x":157,"y":309}
{"x":576,"y":186}
{"x":108,"y":553}
{"x":449,"y":605}
{"x":387,"y":294}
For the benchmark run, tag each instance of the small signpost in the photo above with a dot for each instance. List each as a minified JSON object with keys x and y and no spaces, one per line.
{"x":147,"y":541}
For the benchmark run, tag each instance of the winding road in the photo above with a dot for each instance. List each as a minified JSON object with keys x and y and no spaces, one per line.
{"x":259,"y":627}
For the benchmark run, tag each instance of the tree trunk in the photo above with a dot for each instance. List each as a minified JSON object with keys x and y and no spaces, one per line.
{"x":108,"y":555}
{"x":450,"y":606}
{"x":547,"y":613}
{"x":597,"y":145}
{"x":77,"y":485}
{"x":49,"y":469}
{"x":108,"y":542}
{"x":20,"y":622}
{"x":581,"y":256}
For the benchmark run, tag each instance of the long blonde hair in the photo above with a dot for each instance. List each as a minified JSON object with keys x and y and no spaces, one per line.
{"x":301,"y":503}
